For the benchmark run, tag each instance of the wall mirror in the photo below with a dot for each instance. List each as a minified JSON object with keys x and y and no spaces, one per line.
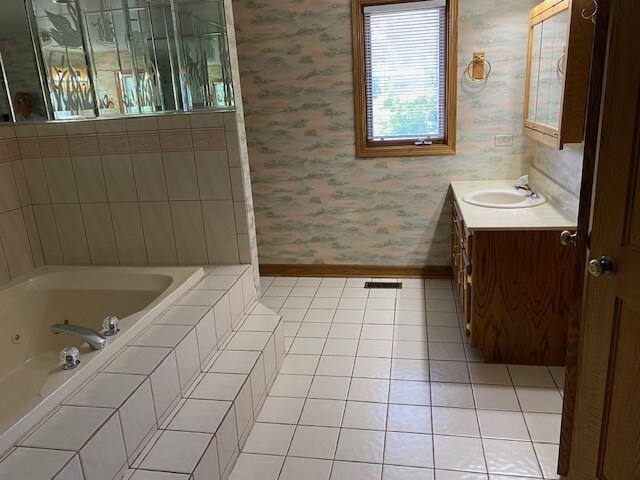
{"x":82,"y":59}
{"x":560,"y":41}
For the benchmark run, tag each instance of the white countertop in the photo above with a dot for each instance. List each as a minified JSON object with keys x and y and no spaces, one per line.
{"x":547,"y":216}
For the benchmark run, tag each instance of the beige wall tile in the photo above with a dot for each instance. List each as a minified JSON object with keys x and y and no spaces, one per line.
{"x":15,"y":242}
{"x":60,"y":179}
{"x":5,"y":276}
{"x":51,"y":129}
{"x":180,"y":171}
{"x":189,"y":232}
{"x":83,"y":145}
{"x":127,"y":225}
{"x":244,"y":248}
{"x":111,"y":144}
{"x":141,"y":124}
{"x":9,"y":199}
{"x":118,"y":176}
{"x":21,"y":182}
{"x":54,"y":146}
{"x":206,"y":120}
{"x":220,"y":230}
{"x":73,"y":239}
{"x":236,"y":184}
{"x":89,"y":178}
{"x":240,"y":210}
{"x":213,"y":175}
{"x":111,"y":125}
{"x":34,"y":236}
{"x":149,"y":176}
{"x":48,"y":234}
{"x":233,"y":149}
{"x":36,"y":180}
{"x":158,"y":233}
{"x":100,"y":236}
{"x":80,"y":128}
{"x":173,"y":122}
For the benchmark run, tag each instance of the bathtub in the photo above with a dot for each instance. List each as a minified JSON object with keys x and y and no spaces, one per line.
{"x":32,"y":382}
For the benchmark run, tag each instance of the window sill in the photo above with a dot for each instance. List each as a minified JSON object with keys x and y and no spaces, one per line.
{"x":404,"y":150}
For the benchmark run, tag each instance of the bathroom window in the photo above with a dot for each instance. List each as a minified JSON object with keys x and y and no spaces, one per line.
{"x":405,"y":77}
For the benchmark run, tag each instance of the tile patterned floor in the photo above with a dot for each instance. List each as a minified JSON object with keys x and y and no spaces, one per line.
{"x":379,"y":384}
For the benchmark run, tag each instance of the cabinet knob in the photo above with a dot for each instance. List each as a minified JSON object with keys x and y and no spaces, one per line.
{"x":568,"y":238}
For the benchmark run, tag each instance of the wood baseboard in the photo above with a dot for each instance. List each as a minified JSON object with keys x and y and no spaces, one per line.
{"x":366,"y":271}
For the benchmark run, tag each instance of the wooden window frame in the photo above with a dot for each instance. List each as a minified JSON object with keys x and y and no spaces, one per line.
{"x":369,"y":149}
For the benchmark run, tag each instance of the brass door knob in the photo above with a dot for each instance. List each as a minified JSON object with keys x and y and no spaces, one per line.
{"x":568,"y":238}
{"x":605,"y":267}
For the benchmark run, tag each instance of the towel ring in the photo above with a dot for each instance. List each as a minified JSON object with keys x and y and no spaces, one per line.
{"x":470,"y":69}
{"x":591,"y":16}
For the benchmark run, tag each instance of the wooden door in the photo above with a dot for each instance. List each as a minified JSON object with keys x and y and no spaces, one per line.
{"x":606,"y":434}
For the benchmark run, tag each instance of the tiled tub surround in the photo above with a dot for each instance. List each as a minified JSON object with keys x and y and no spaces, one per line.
{"x":19,"y":242}
{"x":380,"y":384}
{"x":30,"y":378}
{"x":184,"y":392}
{"x":162,"y":190}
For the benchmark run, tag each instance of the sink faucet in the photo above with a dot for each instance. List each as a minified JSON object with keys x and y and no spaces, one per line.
{"x":95,"y":340}
{"x":523,"y":184}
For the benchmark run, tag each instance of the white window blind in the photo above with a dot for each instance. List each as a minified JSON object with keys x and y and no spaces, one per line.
{"x":405,"y":66}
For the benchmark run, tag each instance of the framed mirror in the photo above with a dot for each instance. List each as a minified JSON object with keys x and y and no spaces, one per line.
{"x":83,"y":59}
{"x":560,"y":43}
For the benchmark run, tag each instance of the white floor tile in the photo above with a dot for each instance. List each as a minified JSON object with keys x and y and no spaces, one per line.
{"x":300,"y":364}
{"x":319,"y":315}
{"x":408,"y":449}
{"x":365,"y":415}
{"x":269,"y":438}
{"x":539,"y":399}
{"x":511,"y":458}
{"x":453,"y":372}
{"x":322,"y":413}
{"x":333,"y":388}
{"x":410,"y":393}
{"x":490,"y":374}
{"x":307,"y":346}
{"x":251,"y":466}
{"x":531,"y":376}
{"x":455,"y":421}
{"x":544,"y":427}
{"x":496,"y":397}
{"x":360,"y":446}
{"x":355,"y":316}
{"x":369,"y":390}
{"x":377,"y":332}
{"x":408,"y":369}
{"x":281,"y":410}
{"x":314,"y":442}
{"x":367,"y":367}
{"x":345,"y":330}
{"x":314,"y":330}
{"x":502,"y":425}
{"x":409,"y":418}
{"x":335,"y":366}
{"x":451,"y":395}
{"x":291,"y":386}
{"x":340,"y":346}
{"x":411,"y":350}
{"x":459,"y":453}
{"x":391,"y":472}
{"x":352,"y":471}
{"x":305,"y":468}
{"x":375,"y":348}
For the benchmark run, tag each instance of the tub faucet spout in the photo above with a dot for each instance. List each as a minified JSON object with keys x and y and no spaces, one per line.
{"x":95,"y":339}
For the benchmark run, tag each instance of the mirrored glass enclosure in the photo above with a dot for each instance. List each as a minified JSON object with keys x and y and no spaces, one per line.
{"x":75,"y":59}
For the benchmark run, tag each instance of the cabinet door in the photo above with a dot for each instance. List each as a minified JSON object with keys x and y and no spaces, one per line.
{"x":465,"y":297}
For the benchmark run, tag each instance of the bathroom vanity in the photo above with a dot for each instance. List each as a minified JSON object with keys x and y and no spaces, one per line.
{"x":512,"y":277}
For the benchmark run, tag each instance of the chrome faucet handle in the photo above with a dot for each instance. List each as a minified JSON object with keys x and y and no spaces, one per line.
{"x":69,"y":357}
{"x":110,"y":325}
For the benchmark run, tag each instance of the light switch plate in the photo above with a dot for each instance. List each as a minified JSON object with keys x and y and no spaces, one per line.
{"x":503,"y":141}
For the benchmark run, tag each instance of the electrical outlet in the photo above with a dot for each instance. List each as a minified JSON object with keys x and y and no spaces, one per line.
{"x":503,"y":141}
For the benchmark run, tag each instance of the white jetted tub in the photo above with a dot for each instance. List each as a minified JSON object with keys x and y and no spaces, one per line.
{"x":32,"y":381}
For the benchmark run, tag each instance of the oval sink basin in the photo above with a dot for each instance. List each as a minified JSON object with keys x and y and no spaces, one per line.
{"x":502,"y":198}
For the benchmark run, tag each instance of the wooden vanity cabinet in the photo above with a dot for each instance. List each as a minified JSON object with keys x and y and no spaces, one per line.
{"x":513,"y":290}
